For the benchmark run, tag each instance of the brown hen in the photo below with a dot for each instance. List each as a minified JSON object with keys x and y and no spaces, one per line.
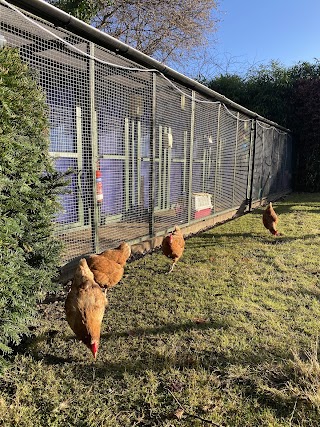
{"x":270,"y":220}
{"x":173,"y":246}
{"x":85,"y":306}
{"x":108,"y":267}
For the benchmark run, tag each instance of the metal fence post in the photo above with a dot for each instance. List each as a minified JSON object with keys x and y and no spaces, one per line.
{"x":235,"y":160}
{"x":153,"y":155}
{"x":249,"y":163}
{"x":253,"y":153}
{"x":217,"y":158}
{"x":193,"y":108}
{"x":95,"y":209}
{"x":79,"y":140}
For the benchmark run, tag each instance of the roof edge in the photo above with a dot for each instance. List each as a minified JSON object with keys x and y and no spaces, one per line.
{"x":62,"y":19}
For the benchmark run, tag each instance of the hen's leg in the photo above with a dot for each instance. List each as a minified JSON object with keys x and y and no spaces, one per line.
{"x":173,"y":264}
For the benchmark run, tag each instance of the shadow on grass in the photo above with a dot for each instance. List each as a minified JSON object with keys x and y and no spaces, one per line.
{"x":293,"y":208}
{"x":234,"y":238}
{"x":287,"y":239}
{"x":170,"y":328}
{"x":183,"y":357}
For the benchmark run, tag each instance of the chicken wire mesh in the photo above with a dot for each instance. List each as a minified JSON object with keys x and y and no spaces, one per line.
{"x":146,"y":153}
{"x":172,"y":155}
{"x":272,"y":162}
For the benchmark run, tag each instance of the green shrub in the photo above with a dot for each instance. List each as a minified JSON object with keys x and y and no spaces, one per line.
{"x":28,"y":199}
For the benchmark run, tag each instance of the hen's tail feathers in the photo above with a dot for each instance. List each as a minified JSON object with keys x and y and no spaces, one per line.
{"x":177,"y":230}
{"x":83,"y":272}
{"x":127,"y":249}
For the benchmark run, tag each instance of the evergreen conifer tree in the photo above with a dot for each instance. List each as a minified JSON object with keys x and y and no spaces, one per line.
{"x":29,"y":187}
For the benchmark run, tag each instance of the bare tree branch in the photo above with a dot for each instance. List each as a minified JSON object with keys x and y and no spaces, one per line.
{"x":164,"y":29}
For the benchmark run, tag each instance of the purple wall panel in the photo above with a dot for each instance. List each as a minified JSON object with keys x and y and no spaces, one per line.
{"x":176,"y":182}
{"x":69,"y":201}
{"x":113,"y":186}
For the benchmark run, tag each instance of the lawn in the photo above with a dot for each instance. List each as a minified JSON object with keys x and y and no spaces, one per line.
{"x":229,"y":338}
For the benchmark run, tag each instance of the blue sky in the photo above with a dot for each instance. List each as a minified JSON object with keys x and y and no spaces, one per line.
{"x":252,"y":32}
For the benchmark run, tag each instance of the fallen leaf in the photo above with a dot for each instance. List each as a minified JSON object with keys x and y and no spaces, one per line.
{"x":62,"y":406}
{"x":176,"y":386}
{"x":208,"y":407}
{"x":200,"y":320}
{"x":178,"y":413}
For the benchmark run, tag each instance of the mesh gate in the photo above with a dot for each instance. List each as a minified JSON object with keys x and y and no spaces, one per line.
{"x":160,"y":153}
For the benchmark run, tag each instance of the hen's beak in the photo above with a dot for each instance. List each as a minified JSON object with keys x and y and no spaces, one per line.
{"x":94,"y":349}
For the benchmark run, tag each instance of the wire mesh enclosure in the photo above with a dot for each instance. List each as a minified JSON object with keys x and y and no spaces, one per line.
{"x":146,"y":152}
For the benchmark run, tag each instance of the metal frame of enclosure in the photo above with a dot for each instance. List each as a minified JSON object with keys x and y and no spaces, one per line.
{"x":149,"y":147}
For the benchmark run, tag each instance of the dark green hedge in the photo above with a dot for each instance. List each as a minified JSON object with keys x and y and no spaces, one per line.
{"x":306,"y":125}
{"x":290,"y":97}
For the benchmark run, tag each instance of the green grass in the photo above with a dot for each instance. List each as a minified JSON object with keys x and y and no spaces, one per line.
{"x":230,"y":336}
